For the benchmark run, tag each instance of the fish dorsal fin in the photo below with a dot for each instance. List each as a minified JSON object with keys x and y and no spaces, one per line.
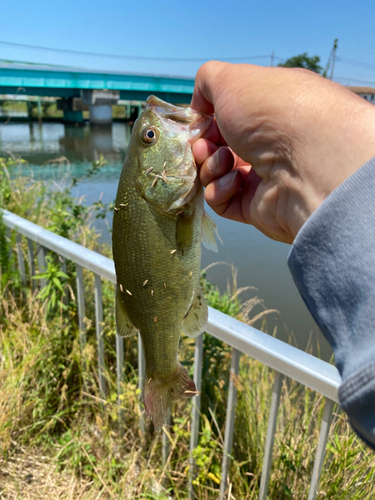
{"x":197,"y":316}
{"x":209,"y":230}
{"x":125,"y":327}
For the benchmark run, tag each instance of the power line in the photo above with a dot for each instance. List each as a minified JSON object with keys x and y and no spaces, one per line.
{"x":119,"y":56}
{"x":348,"y":80}
{"x":354,"y":62}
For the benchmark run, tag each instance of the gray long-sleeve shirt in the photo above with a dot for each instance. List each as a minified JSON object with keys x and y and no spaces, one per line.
{"x":332,"y":261}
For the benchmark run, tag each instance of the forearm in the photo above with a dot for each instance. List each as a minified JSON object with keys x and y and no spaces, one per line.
{"x":333,"y":264}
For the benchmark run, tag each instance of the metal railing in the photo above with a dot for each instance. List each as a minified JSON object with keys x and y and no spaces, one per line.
{"x":285,"y":359}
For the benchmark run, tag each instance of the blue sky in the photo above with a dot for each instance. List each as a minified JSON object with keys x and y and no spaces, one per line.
{"x":245,"y":30}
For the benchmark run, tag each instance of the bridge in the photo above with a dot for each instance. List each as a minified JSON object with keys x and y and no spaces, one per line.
{"x":76,"y":88}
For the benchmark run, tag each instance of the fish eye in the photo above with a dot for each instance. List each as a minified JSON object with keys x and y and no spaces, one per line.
{"x":148,"y":135}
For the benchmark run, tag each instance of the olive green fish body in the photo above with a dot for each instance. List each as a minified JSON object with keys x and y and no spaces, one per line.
{"x":157,"y":236}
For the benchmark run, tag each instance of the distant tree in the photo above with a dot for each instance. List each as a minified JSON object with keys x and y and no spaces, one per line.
{"x":303,"y":61}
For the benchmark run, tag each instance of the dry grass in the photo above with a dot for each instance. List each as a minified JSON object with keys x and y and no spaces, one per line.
{"x":29,"y":475}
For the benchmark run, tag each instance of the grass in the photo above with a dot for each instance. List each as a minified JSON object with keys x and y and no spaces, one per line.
{"x":49,"y":108}
{"x":59,"y":439}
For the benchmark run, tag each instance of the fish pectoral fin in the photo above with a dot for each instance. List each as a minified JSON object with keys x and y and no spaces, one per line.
{"x":124,"y":326}
{"x":197,"y":316}
{"x":209,"y":230}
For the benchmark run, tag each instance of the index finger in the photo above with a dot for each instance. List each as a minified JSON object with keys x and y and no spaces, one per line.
{"x":204,"y":93}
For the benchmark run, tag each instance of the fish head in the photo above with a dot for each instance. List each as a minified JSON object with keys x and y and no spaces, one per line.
{"x":161,"y":140}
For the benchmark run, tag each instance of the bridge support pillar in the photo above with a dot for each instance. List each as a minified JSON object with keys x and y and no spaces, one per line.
{"x":39,"y":103}
{"x":72,"y":108}
{"x":100,"y":105}
{"x":73,"y":116}
{"x":100,"y":115}
{"x":29,"y":109}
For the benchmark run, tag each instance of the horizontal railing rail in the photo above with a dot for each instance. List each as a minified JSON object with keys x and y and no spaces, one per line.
{"x":285,"y":359}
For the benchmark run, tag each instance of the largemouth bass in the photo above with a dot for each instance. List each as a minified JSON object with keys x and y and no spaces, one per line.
{"x":158,"y":226}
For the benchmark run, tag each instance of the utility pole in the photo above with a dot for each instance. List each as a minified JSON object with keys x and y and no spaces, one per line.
{"x":333,"y":57}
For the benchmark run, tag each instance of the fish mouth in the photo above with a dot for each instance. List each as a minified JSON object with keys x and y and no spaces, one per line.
{"x":186,"y":119}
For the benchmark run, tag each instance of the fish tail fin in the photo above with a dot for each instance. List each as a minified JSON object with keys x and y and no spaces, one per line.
{"x":160,"y":392}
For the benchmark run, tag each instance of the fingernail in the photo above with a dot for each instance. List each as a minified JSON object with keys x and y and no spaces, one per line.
{"x":228,"y":178}
{"x":213,"y":161}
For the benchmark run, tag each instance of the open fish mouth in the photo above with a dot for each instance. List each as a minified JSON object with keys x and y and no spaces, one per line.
{"x":176,"y":119}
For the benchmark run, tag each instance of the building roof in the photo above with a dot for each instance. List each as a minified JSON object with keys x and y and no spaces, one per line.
{"x":362,"y":90}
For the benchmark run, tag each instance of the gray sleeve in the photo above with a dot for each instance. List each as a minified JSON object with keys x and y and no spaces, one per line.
{"x":332,"y":262}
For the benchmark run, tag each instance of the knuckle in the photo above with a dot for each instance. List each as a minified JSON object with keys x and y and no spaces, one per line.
{"x":210,"y":69}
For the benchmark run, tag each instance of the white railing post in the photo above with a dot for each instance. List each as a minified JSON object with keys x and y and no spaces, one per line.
{"x":120,"y":379}
{"x":99,"y":334}
{"x":267,"y":461}
{"x":165,"y":446}
{"x":81,"y":307}
{"x":64,"y":269}
{"x":30,"y":250}
{"x":321,"y":451}
{"x":195,"y":411}
{"x":21,"y":261}
{"x":229,"y":424}
{"x":42,"y":265}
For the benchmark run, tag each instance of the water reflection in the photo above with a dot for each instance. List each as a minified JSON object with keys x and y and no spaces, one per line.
{"x":87,"y":144}
{"x":38,"y":142}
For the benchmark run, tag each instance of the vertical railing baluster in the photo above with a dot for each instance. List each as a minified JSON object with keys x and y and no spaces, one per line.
{"x":30,"y":250}
{"x":229,"y":424}
{"x":81,"y":320}
{"x":10,"y":254}
{"x":42,"y":265}
{"x":99,"y":336}
{"x":10,"y":249}
{"x":21,"y":261}
{"x":141,"y":379}
{"x":64,"y":269}
{"x":120,"y":380}
{"x":267,"y":460}
{"x":195,"y":411}
{"x":320,"y":453}
{"x":81,"y":306}
{"x":165,"y":439}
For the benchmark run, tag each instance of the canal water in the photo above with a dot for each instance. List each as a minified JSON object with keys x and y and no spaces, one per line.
{"x":260,"y":262}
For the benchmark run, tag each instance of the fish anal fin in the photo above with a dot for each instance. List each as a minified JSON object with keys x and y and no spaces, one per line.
{"x":197,"y":316}
{"x":209,"y":230}
{"x":159,"y":393}
{"x":124,"y":326}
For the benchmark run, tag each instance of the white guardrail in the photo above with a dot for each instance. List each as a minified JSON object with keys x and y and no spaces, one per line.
{"x":285,"y":359}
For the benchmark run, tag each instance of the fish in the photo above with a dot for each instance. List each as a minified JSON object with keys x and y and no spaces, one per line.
{"x":159,"y":223}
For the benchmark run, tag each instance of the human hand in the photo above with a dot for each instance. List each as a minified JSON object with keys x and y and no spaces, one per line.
{"x":303,"y":135}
